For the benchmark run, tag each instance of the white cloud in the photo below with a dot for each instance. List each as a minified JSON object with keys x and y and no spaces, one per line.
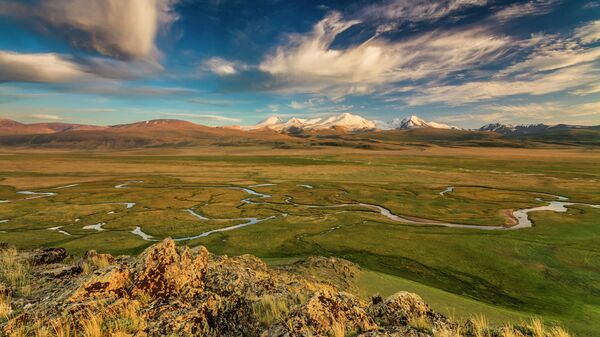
{"x":589,"y":33}
{"x":590,"y":89}
{"x":42,"y":67}
{"x":311,"y":102}
{"x":555,"y":52}
{"x":222,"y":67}
{"x":309,"y":64}
{"x":418,"y":10}
{"x":124,"y":29}
{"x":553,"y":59}
{"x":529,"y":8}
{"x":200,"y":116}
{"x":46,"y":117}
{"x":469,"y":92}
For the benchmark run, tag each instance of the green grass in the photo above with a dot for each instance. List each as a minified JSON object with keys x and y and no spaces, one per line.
{"x":550,"y":270}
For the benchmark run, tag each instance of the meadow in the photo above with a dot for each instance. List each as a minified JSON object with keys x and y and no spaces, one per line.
{"x":551,"y":270}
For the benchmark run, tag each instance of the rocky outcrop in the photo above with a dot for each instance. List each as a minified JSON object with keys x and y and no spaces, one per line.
{"x":163,"y":271}
{"x":47,"y":256}
{"x":170,"y":290}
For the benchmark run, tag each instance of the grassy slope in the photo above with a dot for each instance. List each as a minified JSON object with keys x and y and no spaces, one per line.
{"x":550,"y":270}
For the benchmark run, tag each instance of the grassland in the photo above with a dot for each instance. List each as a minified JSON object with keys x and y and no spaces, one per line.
{"x":551,"y":270}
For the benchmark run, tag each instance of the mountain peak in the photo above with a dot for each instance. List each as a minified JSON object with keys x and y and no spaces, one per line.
{"x":413,"y":122}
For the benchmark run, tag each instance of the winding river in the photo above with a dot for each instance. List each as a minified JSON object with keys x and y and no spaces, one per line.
{"x":559,"y":204}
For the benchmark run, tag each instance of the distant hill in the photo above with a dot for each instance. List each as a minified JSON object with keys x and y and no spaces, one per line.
{"x":549,"y":134}
{"x":10,"y":127}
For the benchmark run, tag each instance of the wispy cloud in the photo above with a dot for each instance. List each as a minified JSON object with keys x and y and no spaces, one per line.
{"x":556,"y":64}
{"x":222,"y":67}
{"x":217,"y":118}
{"x":309,"y":64}
{"x":46,"y":117}
{"x":548,"y":112}
{"x":407,"y":11}
{"x":311,"y":102}
{"x":529,"y":8}
{"x":589,"y":33}
{"x":477,"y":91}
{"x":219,"y":103}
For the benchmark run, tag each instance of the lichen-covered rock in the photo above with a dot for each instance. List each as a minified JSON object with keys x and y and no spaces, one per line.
{"x":47,"y":256}
{"x":164,"y":271}
{"x":109,"y":283}
{"x":399,"y":308}
{"x":327,"y":313}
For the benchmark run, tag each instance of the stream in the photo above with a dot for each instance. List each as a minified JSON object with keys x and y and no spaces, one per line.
{"x":560,"y":205}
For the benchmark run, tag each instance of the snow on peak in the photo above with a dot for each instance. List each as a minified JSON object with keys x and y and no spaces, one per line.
{"x":413,"y":122}
{"x":346,"y":120}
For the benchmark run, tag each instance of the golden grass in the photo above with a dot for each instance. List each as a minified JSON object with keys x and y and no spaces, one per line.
{"x":124,"y":320}
{"x":420,"y":323}
{"x":445,"y":331}
{"x":480,"y":326}
{"x":5,"y":307}
{"x":270,"y":309}
{"x":62,"y":328}
{"x":337,"y":330}
{"x":559,"y":332}
{"x":91,"y":325}
{"x":509,"y":331}
{"x":14,"y":272}
{"x":537,"y":327}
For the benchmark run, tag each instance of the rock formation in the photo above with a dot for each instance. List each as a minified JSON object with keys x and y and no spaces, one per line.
{"x":178,"y":291}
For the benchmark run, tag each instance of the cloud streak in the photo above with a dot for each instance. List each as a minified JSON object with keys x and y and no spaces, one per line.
{"x":41,"y":67}
{"x":217,"y":118}
{"x":477,"y":91}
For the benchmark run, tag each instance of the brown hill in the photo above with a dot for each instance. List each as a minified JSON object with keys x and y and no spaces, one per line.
{"x":153,"y":133}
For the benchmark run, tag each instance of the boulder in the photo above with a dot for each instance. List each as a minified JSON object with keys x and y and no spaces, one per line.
{"x":328,"y":313}
{"x":47,"y":256}
{"x":164,"y":271}
{"x":91,"y":255}
{"x":399,"y":308}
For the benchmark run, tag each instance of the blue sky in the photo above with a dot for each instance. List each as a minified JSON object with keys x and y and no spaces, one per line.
{"x":231,"y":62}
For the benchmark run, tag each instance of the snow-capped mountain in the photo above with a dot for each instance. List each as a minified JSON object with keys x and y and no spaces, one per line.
{"x":346,"y":120}
{"x":413,"y":122}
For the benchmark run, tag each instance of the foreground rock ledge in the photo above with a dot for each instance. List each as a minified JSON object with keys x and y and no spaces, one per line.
{"x":178,"y":291}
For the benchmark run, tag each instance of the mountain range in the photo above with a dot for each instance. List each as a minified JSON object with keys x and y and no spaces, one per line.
{"x":339,"y":130}
{"x":346,"y":121}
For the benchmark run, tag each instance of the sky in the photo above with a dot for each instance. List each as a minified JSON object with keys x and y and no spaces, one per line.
{"x":236,"y":62}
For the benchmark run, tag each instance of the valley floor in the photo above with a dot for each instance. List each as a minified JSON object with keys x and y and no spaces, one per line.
{"x":95,"y":200}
